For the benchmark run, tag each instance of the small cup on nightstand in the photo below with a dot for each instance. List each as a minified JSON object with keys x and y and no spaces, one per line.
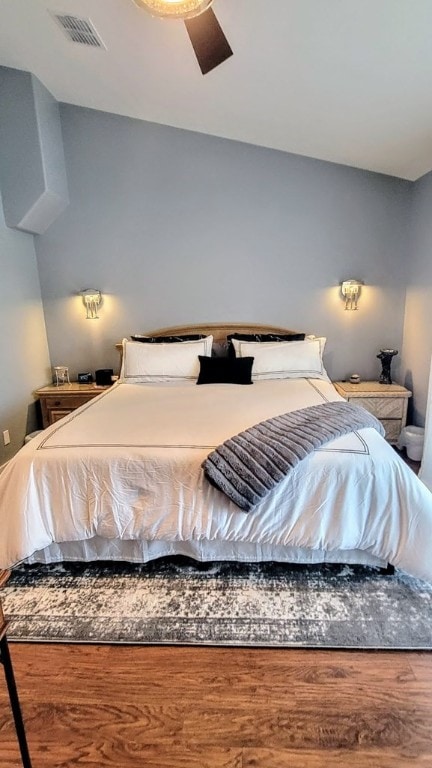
{"x":355,"y":378}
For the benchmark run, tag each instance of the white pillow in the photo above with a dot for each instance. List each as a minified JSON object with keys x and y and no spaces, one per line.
{"x":284,"y":359}
{"x":163,"y":362}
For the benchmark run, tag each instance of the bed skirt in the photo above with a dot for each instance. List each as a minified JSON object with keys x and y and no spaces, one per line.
{"x":133,"y":551}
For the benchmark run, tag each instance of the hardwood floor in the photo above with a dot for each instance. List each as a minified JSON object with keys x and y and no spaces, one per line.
{"x":171,"y":707}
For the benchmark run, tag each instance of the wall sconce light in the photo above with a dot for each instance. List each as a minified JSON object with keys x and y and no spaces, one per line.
{"x":351,"y":291}
{"x":91,"y":299}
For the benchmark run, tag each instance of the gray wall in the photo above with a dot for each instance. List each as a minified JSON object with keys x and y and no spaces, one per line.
{"x":179,"y":227}
{"x":23,"y":343}
{"x":32,"y":170}
{"x":417,"y":344}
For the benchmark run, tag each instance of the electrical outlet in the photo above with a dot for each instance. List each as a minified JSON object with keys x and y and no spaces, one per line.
{"x":6,"y":437}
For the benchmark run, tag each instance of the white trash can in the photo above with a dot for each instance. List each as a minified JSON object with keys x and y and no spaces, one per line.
{"x":412,"y":438}
{"x":32,"y":435}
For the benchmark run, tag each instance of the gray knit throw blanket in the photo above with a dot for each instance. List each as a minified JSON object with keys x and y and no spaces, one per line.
{"x":248,"y":466}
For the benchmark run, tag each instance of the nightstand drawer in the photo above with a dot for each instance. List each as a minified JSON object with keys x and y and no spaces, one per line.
{"x":67,"y":402}
{"x":382,"y":407}
{"x":392,"y":429}
{"x":55,"y":414}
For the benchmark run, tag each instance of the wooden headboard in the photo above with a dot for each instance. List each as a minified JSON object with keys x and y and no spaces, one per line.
{"x":219,"y":331}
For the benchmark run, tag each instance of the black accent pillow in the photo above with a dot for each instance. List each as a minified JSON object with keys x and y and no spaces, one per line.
{"x":167,"y":339}
{"x":262,"y":337}
{"x":225,"y":370}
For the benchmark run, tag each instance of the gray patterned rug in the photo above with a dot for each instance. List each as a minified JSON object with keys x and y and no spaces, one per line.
{"x":180,"y":601}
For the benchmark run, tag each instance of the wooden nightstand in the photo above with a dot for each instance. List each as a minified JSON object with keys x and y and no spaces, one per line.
{"x":388,"y":402}
{"x":57,"y":402}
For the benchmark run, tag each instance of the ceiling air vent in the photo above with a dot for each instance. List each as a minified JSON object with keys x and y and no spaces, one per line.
{"x":79,"y":30}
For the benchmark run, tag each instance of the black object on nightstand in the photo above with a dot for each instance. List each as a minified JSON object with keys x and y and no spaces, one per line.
{"x":103,"y":377}
{"x":386,"y":356}
{"x":85,"y":378}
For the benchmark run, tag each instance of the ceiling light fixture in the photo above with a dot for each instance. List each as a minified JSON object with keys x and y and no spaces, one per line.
{"x":205,"y":33}
{"x":175,"y":9}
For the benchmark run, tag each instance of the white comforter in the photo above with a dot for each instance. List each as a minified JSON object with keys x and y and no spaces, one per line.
{"x":127,"y":465}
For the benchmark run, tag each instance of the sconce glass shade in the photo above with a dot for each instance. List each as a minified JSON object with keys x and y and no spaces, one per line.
{"x":175,"y":9}
{"x":351,"y":291}
{"x":92,"y":299}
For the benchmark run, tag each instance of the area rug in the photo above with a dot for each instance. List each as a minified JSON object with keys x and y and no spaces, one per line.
{"x":182,"y":602}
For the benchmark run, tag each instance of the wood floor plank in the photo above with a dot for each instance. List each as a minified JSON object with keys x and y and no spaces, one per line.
{"x":172,"y":707}
{"x":264,"y":758}
{"x":284,"y":667}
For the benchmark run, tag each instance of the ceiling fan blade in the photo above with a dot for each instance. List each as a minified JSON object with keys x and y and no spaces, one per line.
{"x":209,"y":42}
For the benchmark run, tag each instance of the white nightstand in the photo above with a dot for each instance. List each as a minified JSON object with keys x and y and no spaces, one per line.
{"x":388,"y":402}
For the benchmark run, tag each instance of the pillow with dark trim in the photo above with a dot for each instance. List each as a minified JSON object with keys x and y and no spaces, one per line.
{"x":262,"y":337}
{"x":267,"y":336}
{"x":167,"y":339}
{"x":225,"y":370}
{"x":220,"y":348}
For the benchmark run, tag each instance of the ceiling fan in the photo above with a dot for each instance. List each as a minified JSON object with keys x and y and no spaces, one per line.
{"x":208,"y":40}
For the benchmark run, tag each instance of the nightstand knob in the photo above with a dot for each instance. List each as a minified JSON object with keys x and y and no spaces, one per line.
{"x":57,"y":402}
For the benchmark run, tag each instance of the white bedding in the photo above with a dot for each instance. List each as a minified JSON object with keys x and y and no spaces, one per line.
{"x":127,"y":466}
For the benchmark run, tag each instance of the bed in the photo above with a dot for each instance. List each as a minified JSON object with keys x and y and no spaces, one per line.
{"x":121,"y":477}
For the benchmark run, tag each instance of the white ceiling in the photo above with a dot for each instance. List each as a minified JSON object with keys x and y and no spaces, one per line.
{"x":348,"y":81}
